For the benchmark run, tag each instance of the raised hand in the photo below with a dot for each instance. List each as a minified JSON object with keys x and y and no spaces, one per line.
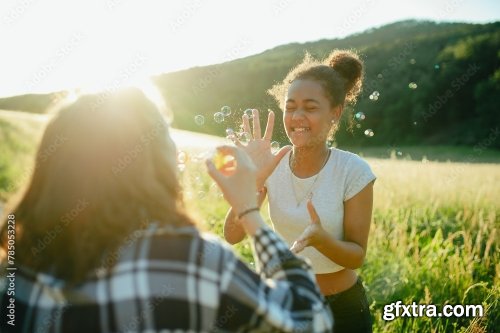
{"x":259,"y":147}
{"x":311,"y":234}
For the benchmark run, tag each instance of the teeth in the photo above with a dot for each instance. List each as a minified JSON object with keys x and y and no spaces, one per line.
{"x":301,"y":129}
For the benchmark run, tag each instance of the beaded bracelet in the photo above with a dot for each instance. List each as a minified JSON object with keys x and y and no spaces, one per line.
{"x":255,"y":209}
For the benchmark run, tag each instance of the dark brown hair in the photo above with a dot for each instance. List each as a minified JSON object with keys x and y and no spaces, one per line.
{"x":105,"y":168}
{"x":340,"y":75}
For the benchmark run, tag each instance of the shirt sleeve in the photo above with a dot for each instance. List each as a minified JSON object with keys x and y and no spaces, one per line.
{"x":359,"y":174}
{"x":283,"y":298}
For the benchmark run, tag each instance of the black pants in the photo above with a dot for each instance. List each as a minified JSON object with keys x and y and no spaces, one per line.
{"x":351,"y":313}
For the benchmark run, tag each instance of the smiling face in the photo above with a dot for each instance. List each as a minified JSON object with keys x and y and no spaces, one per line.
{"x":308,"y":114}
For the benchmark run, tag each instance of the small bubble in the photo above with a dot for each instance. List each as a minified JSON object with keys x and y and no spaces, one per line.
{"x":414,"y":123}
{"x":358,"y":125}
{"x":436,"y":66}
{"x":226,"y":111}
{"x":413,"y":61}
{"x":376,"y":93}
{"x":371,"y":97}
{"x":244,"y":137}
{"x":275,"y":146}
{"x":360,"y":116}
{"x":182,"y":157}
{"x":230,"y":134}
{"x":399,"y":153}
{"x":375,"y":98}
{"x":380,"y":76}
{"x":369,"y":132}
{"x":412,"y":85}
{"x":218,"y":117}
{"x":249,"y":113}
{"x":199,"y":120}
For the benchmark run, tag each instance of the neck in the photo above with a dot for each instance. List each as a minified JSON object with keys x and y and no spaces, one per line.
{"x":308,"y":161}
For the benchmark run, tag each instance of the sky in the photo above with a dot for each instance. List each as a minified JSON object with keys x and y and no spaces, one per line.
{"x":53,"y":45}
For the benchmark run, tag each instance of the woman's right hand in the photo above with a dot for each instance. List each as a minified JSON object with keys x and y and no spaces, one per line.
{"x":259,"y":147}
{"x":236,"y":178}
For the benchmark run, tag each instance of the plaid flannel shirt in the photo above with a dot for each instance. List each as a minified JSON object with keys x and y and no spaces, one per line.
{"x":175,"y":280}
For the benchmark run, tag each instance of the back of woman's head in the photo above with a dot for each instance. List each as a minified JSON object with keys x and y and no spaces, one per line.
{"x":340,"y":75}
{"x":106,"y":166}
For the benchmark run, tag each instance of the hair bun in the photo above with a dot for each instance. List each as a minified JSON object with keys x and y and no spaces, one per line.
{"x":350,"y":67}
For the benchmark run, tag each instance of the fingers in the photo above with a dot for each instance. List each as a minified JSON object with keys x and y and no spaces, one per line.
{"x":256,"y":124}
{"x":298,"y":246}
{"x":269,"y":127}
{"x":246,"y":124}
{"x":214,"y":173}
{"x":312,"y":212}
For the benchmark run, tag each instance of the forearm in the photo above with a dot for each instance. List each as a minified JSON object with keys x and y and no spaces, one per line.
{"x":345,"y":253}
{"x":233,"y":230}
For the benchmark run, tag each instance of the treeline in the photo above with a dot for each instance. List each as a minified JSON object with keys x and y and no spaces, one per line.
{"x":436,"y":83}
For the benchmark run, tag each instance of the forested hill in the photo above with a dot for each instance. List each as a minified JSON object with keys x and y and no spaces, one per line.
{"x":436,"y":83}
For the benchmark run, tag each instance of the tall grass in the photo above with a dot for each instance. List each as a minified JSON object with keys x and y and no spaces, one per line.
{"x":433,"y":239}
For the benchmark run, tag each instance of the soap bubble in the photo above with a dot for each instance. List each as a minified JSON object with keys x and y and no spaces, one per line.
{"x":376,"y":93}
{"x":360,"y":116}
{"x":358,"y":125}
{"x":369,"y":132}
{"x":412,"y":85}
{"x":275,"y":146}
{"x":244,"y":137}
{"x":413,"y":61}
{"x":199,"y":120}
{"x":249,"y":113}
{"x":436,"y":66}
{"x":225,"y":110}
{"x":380,"y":76}
{"x":399,"y":153}
{"x":218,"y":117}
{"x":230,"y":133}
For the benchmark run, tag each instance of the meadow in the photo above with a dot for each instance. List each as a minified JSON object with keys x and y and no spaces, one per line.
{"x":434,"y":234}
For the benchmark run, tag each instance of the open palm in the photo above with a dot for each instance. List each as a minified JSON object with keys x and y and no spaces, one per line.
{"x":259,"y":147}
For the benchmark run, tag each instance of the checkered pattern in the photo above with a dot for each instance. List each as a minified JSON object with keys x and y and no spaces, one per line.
{"x":178,"y":280}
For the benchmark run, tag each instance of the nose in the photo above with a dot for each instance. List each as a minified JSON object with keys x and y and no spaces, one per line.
{"x":298,"y":114}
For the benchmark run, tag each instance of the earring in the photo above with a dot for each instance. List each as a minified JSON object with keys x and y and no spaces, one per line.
{"x":333,"y":121}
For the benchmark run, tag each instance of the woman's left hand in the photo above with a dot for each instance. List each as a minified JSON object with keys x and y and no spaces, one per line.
{"x":312,"y":234}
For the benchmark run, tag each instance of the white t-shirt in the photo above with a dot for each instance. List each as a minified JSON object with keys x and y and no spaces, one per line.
{"x":344,"y":175}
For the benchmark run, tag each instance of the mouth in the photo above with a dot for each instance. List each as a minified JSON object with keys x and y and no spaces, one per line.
{"x":300,"y":129}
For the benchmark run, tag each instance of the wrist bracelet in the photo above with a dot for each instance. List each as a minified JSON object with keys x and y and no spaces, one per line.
{"x":255,"y":209}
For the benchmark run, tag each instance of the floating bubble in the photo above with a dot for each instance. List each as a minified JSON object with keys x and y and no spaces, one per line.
{"x":360,"y":116}
{"x":230,"y":133}
{"x":399,"y":153}
{"x":369,"y":132}
{"x":412,"y":85}
{"x":226,"y":110}
{"x":199,"y":120}
{"x":376,"y":93}
{"x":375,"y":98}
{"x":414,"y":123}
{"x":218,"y":117}
{"x":249,"y":113}
{"x":182,"y":157}
{"x":275,"y":146}
{"x":380,"y":76}
{"x":436,"y":66}
{"x":244,"y":137}
{"x":358,"y":125}
{"x":413,"y":61}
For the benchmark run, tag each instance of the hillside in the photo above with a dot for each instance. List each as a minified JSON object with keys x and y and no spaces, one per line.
{"x":437,"y":84}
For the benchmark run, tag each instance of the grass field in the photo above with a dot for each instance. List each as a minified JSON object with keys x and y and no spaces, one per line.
{"x":433,"y":239}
